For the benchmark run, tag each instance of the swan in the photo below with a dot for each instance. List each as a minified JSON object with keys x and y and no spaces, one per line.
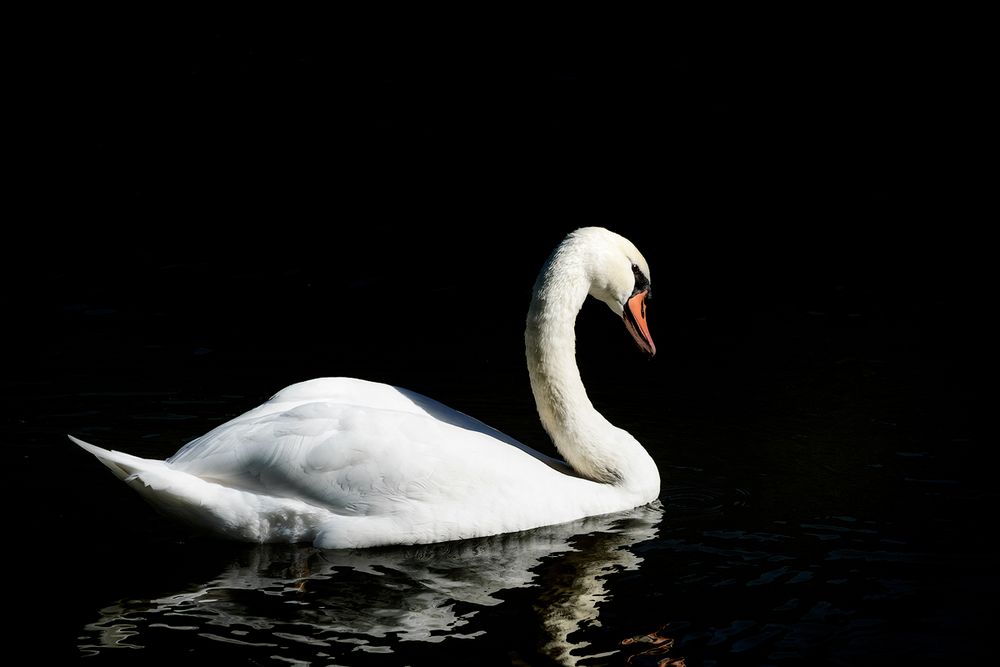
{"x":349,"y":463}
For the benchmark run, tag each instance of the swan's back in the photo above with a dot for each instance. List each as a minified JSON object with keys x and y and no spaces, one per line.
{"x":299,"y":410}
{"x":360,"y":449}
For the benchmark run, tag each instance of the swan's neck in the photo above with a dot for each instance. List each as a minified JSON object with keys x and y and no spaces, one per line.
{"x":592,"y":445}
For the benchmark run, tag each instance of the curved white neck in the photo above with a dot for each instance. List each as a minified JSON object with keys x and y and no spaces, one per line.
{"x":593,"y":446}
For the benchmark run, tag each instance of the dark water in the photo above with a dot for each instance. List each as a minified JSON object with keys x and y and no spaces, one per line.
{"x":217,"y":212}
{"x":825,"y":501}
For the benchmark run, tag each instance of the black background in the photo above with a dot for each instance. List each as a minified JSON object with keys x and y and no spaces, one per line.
{"x":249,"y":203}
{"x":232,"y":207}
{"x":246,"y":202}
{"x":286,"y":184}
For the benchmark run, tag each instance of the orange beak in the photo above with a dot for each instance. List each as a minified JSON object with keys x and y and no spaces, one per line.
{"x":634,"y":315}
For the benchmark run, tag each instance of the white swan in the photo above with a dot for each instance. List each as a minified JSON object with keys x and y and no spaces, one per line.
{"x":348,"y":463}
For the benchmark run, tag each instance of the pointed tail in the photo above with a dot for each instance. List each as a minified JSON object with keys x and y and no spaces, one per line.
{"x":123,"y":465}
{"x":231,"y":512}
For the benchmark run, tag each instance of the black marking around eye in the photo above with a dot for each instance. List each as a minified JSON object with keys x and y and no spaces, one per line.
{"x":641,"y":282}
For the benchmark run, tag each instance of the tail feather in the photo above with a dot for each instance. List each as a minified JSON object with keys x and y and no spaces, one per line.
{"x":121,"y":464}
{"x":236,"y":513}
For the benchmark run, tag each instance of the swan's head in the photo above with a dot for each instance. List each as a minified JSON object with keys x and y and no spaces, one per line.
{"x":619,"y":276}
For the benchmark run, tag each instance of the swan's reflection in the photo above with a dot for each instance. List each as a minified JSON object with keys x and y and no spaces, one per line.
{"x":295,"y":599}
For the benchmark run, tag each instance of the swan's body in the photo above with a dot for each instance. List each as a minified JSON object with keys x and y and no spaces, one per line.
{"x":343,"y":462}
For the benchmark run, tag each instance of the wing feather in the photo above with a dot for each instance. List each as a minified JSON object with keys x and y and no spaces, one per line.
{"x":373,"y":452}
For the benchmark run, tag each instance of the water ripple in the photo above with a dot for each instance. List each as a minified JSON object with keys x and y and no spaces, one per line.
{"x":296,"y":600}
{"x":684,"y":501}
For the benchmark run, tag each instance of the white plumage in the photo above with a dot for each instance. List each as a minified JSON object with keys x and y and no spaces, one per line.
{"x":342,"y":462}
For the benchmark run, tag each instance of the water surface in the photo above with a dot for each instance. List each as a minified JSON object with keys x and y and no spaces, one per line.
{"x":832,"y":516}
